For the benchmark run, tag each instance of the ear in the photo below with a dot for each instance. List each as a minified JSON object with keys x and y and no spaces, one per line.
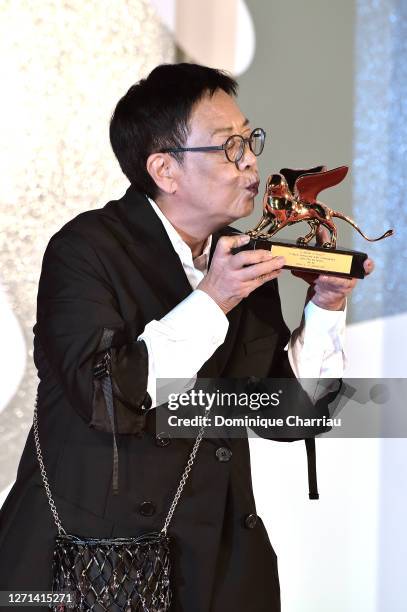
{"x":162,"y":168}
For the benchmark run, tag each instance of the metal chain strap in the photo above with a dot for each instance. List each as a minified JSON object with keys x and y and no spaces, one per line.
{"x":184,"y":477}
{"x":57,"y":520}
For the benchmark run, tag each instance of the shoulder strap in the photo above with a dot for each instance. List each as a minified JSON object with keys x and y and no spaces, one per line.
{"x":44,"y":477}
{"x":103,"y":372}
{"x":312,"y":468}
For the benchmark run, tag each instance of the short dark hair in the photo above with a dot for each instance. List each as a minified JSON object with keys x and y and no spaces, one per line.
{"x":154,"y":115}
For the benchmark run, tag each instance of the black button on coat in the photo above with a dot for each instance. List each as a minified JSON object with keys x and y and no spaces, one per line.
{"x":223,"y":453}
{"x":250,"y":521}
{"x":147,"y":508}
{"x":163,"y":439}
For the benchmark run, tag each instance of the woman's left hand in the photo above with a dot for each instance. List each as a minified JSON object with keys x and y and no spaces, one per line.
{"x":326,"y":291}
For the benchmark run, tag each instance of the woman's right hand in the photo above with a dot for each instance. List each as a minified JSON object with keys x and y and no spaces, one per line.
{"x":231,"y":278}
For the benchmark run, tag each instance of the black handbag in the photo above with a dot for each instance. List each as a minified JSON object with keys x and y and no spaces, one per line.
{"x":112,"y":574}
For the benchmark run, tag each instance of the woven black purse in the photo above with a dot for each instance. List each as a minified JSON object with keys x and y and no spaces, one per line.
{"x":113,"y":574}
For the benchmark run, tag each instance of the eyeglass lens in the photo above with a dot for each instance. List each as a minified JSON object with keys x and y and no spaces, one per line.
{"x":234,"y":146}
{"x":257,"y":142}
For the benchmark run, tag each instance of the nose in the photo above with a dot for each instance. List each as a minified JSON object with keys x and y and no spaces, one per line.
{"x":248,"y":160}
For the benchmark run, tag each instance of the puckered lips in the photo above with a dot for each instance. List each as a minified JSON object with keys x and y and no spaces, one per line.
{"x":253,"y":187}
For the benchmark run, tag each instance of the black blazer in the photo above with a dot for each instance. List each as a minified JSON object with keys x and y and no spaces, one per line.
{"x":115,"y":268}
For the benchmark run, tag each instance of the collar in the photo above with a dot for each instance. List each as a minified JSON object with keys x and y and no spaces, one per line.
{"x":180,"y":246}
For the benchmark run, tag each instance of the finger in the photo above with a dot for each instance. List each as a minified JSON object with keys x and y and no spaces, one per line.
{"x":333,"y":282}
{"x":265,"y":278}
{"x":248,"y":258}
{"x":226,"y":243}
{"x":252,"y":284}
{"x":368,"y":265}
{"x":251,"y":273}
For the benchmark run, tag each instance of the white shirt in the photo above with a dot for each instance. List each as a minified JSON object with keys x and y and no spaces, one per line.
{"x":185,"y":338}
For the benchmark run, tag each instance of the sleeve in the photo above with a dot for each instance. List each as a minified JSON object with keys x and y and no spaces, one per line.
{"x":303,"y":399}
{"x":316,"y":347}
{"x":76,"y":305}
{"x":182,"y":341}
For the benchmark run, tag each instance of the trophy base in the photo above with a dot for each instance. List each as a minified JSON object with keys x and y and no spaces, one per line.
{"x":315,"y":259}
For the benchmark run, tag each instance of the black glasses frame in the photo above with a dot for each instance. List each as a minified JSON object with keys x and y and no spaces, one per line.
{"x":224,"y":147}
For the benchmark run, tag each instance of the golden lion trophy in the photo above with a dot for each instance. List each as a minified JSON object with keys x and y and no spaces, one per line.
{"x":291,"y":197}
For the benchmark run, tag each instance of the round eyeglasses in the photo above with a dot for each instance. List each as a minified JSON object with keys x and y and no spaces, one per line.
{"x":234,"y":146}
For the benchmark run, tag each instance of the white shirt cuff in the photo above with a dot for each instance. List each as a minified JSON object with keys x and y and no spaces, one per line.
{"x":317,"y":347}
{"x":183,"y":340}
{"x":324,"y":321}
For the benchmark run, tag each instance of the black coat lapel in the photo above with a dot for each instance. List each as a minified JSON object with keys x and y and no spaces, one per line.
{"x":148,"y":244}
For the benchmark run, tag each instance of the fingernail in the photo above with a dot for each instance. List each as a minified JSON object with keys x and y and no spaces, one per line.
{"x":245,"y":239}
